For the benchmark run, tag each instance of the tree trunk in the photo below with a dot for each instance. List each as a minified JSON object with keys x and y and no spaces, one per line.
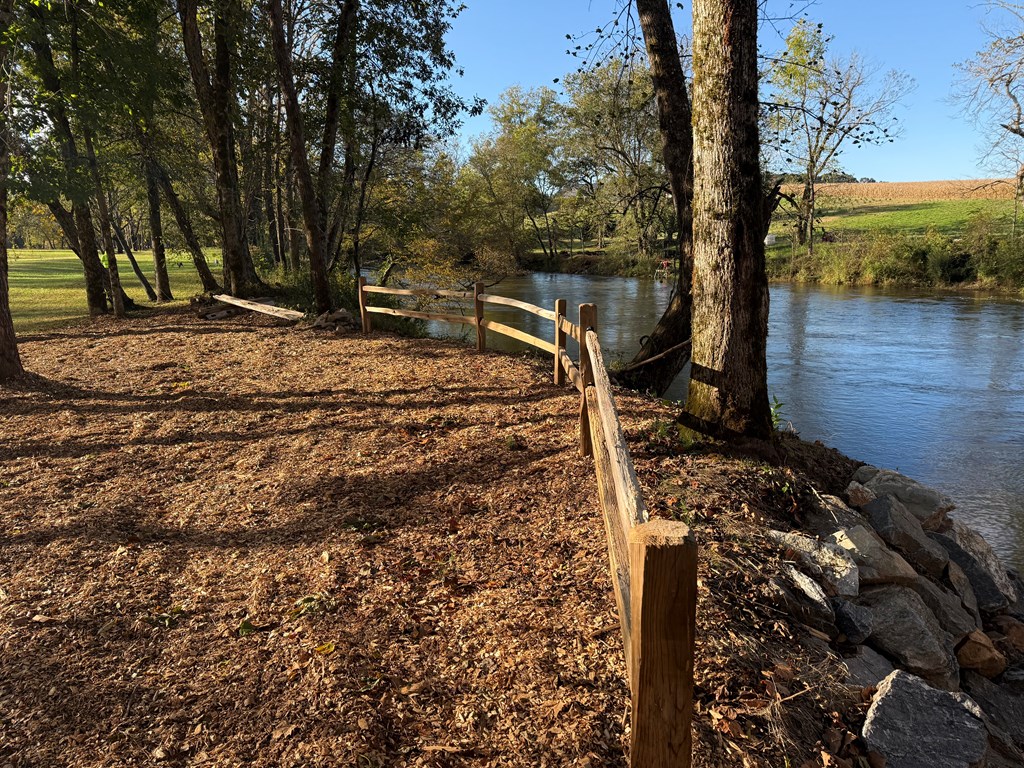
{"x":270,"y":174}
{"x":665,"y":352}
{"x":116,"y":292}
{"x":156,"y":235}
{"x":728,"y":394}
{"x":126,"y":244}
{"x":10,"y":360}
{"x":314,"y":210}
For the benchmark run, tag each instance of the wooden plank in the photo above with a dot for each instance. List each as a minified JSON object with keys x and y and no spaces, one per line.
{"x":462,"y":319}
{"x":627,"y":489}
{"x":588,"y":319}
{"x":478,"y":317}
{"x":266,"y":309}
{"x":363,"y":315}
{"x":425,"y":292}
{"x":571,"y":329}
{"x":570,"y":368}
{"x":515,"y":333}
{"x":663,"y":590}
{"x":489,"y":298}
{"x":617,"y":536}
{"x":559,"y":343}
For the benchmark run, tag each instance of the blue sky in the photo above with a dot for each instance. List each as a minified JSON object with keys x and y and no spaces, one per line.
{"x":501,"y":43}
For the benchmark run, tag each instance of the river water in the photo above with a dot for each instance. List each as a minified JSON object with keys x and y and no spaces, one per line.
{"x":929,"y":384}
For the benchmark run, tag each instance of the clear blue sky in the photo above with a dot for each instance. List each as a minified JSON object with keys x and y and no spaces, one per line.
{"x":506,"y":43}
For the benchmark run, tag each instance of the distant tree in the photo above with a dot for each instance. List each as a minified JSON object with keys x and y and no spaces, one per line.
{"x":10,"y":361}
{"x":819,"y":104}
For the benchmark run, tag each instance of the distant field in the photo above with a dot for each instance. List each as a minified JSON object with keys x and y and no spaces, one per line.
{"x":48,"y":288}
{"x":920,"y":191}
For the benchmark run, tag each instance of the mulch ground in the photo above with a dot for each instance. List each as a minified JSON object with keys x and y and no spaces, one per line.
{"x":230,"y":543}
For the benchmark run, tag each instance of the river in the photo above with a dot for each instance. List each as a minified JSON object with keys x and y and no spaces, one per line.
{"x":930,"y":384}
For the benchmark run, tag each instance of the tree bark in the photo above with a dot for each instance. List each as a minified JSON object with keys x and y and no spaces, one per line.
{"x":116,"y":292}
{"x":156,"y":235}
{"x":126,"y":244}
{"x":728,"y":394}
{"x":10,"y":360}
{"x":664,"y":352}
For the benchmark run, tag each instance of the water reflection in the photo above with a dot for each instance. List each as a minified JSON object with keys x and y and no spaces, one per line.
{"x":930,"y":384}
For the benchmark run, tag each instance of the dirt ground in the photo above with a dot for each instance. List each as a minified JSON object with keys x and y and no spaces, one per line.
{"x":231,"y":543}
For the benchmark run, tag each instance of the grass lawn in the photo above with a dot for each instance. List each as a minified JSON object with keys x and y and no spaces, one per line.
{"x":48,"y":288}
{"x":949,"y":217}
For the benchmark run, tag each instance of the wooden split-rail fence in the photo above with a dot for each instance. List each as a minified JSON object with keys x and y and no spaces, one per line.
{"x":653,"y":562}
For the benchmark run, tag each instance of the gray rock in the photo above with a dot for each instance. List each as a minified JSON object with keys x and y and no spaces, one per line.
{"x":830,"y":563}
{"x":905,"y":630}
{"x":947,"y":609}
{"x":991,"y":599}
{"x":901,"y":530}
{"x":867,"y":668}
{"x":916,"y":726}
{"x":927,"y":505}
{"x":864,"y":473}
{"x":975,"y":545}
{"x":816,"y":611}
{"x":1016,"y":609}
{"x":859,"y":495}
{"x":876,"y":564}
{"x":1003,"y":707}
{"x":854,"y":621}
{"x":1013,"y":679}
{"x":961,"y":585}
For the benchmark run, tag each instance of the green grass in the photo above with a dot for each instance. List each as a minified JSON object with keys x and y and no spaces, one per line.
{"x":48,"y":288}
{"x":949,"y":217}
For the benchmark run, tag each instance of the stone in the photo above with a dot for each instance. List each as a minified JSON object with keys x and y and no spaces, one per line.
{"x":852,"y":620}
{"x":867,"y":668}
{"x":977,"y":652}
{"x":829,"y":562}
{"x":902,"y":531}
{"x":814,"y":608}
{"x":1012,"y":630}
{"x":859,"y":495}
{"x":957,"y":579}
{"x":975,"y":545}
{"x":864,"y":473}
{"x":929,"y":506}
{"x":876,"y":564}
{"x":1004,"y":708}
{"x":906,"y":631}
{"x":1016,"y":609}
{"x":990,"y":598}
{"x":916,"y":726}
{"x":1013,"y":679}
{"x":947,"y":609}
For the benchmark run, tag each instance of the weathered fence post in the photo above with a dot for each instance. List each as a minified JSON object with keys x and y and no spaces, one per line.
{"x":478,"y":313}
{"x":559,"y":342}
{"x":663,"y":593}
{"x":364,"y":316}
{"x":588,"y":319}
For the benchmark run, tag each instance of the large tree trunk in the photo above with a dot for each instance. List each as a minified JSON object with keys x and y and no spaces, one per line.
{"x":728,"y":394}
{"x":10,"y":360}
{"x":156,"y":235}
{"x":314,"y":210}
{"x":666,"y":350}
{"x":116,"y":292}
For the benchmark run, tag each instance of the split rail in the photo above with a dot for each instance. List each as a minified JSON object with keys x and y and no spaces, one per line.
{"x":653,"y":562}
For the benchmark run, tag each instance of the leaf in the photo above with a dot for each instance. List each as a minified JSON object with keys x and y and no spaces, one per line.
{"x":325,"y":649}
{"x":246,"y":628}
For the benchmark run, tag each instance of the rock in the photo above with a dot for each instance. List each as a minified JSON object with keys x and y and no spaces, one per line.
{"x":916,"y":726}
{"x":858,"y":495}
{"x":990,"y":598}
{"x":826,"y":560}
{"x":947,"y":609}
{"x":905,"y":630}
{"x":1013,"y":679}
{"x":876,"y":564}
{"x":852,"y":620}
{"x":1016,"y":609}
{"x":901,"y":530}
{"x":928,"y":506}
{"x":1004,"y":708}
{"x":867,"y":668}
{"x":864,"y":473}
{"x":977,"y":652}
{"x":814,"y":608}
{"x":975,"y":545}
{"x":961,"y":585}
{"x":1012,"y":629}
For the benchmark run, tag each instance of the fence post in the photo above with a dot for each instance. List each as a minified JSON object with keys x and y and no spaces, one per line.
{"x":663,"y":593}
{"x":364,"y":316}
{"x":588,"y":320}
{"x":559,"y":342}
{"x":478,"y":314}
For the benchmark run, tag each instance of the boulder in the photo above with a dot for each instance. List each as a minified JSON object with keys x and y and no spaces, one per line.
{"x":830,"y":563}
{"x":915,"y":726}
{"x":876,"y":564}
{"x":803,"y":608}
{"x":961,"y":585}
{"x":1012,"y":630}
{"x":1013,"y":679}
{"x":947,"y":609}
{"x":864,"y":473}
{"x":858,"y":495}
{"x":978,"y":653}
{"x":1004,"y":708}
{"x":901,"y":530}
{"x":854,"y":621}
{"x":867,"y":668}
{"x":975,"y":545}
{"x":991,"y":599}
{"x":832,"y":514}
{"x":815,"y":611}
{"x":906,"y":631}
{"x":927,"y":505}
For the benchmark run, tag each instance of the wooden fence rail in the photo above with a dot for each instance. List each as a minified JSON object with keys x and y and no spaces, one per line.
{"x":653,"y":562}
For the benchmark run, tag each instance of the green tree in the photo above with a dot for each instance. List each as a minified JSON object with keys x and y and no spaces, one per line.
{"x":10,"y":361}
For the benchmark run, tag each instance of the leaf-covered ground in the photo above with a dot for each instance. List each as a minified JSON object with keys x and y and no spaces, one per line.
{"x":230,"y":543}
